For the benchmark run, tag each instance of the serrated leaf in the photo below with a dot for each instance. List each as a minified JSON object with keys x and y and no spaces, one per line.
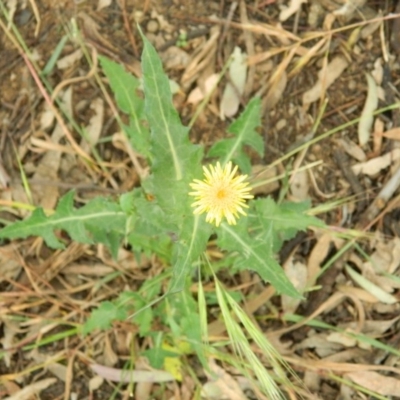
{"x":136,"y":303}
{"x":124,"y":86}
{"x":149,"y":231}
{"x":194,"y":237}
{"x":103,"y":317}
{"x":175,"y":160}
{"x":99,"y":220}
{"x":256,"y":255}
{"x":243,"y":129}
{"x":157,"y":356}
{"x":285,"y":219}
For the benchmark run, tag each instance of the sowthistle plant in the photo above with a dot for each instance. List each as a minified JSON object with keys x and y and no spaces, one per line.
{"x":175,"y":211}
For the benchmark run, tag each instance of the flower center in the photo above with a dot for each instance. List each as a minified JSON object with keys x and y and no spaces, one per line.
{"x":221,"y":194}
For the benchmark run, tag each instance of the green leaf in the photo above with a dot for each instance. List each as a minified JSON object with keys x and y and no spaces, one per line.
{"x":134,"y":302}
{"x":243,"y":129}
{"x":99,"y":221}
{"x":126,"y":202}
{"x":175,"y":160}
{"x":103,"y":317}
{"x":148,"y":229}
{"x":157,"y":356}
{"x":270,"y":225}
{"x":125,"y":87}
{"x":193,"y":242}
{"x":285,"y":219}
{"x":256,"y":255}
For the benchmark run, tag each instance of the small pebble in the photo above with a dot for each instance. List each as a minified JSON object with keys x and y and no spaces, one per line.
{"x":152,"y":26}
{"x":280,"y":124}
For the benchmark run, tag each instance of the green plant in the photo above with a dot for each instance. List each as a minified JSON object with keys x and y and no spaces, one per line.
{"x":157,"y":219}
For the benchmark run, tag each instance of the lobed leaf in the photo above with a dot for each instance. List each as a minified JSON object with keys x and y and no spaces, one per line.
{"x":125,"y":86}
{"x":256,"y":255}
{"x":103,"y":317}
{"x":175,"y":160}
{"x":243,"y":129}
{"x":285,"y":220}
{"x":100,"y":221}
{"x":148,"y":230}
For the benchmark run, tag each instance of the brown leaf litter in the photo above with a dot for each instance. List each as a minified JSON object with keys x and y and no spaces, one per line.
{"x":306,"y":60}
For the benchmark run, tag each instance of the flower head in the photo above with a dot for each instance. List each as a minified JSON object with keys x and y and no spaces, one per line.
{"x":221,"y":194}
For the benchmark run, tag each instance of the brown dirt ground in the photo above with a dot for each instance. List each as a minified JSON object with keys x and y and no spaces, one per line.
{"x":286,"y":123}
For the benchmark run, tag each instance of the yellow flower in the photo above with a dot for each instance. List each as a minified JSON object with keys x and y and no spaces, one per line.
{"x":221,"y":194}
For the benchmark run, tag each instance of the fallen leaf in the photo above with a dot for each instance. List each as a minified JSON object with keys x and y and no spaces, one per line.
{"x":378,"y":72}
{"x":361,"y":294}
{"x":95,"y":383}
{"x":375,"y":290}
{"x":127,"y":376}
{"x":375,"y":165}
{"x":352,"y":149}
{"x":297,"y":274}
{"x":325,"y":79}
{"x":379,"y":126}
{"x":384,"y":385}
{"x":341,"y":338}
{"x":95,"y":269}
{"x":367,"y":115}
{"x":198,"y":94}
{"x":103,"y":4}
{"x":34,"y":388}
{"x":69,"y":60}
{"x":10,"y":265}
{"x":221,"y":385}
{"x":318,"y":342}
{"x":4,"y":177}
{"x":59,"y":370}
{"x":373,"y":328}
{"x":93,"y":129}
{"x":393,"y":134}
{"x":233,"y":91}
{"x":10,"y":331}
{"x":276,"y":91}
{"x":318,"y":255}
{"x":387,"y":283}
{"x":293,"y":7}
{"x":349,"y":8}
{"x":47,"y":118}
{"x":386,"y":257}
{"x":109,"y":356}
{"x":47,"y":196}
{"x":373,"y":26}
